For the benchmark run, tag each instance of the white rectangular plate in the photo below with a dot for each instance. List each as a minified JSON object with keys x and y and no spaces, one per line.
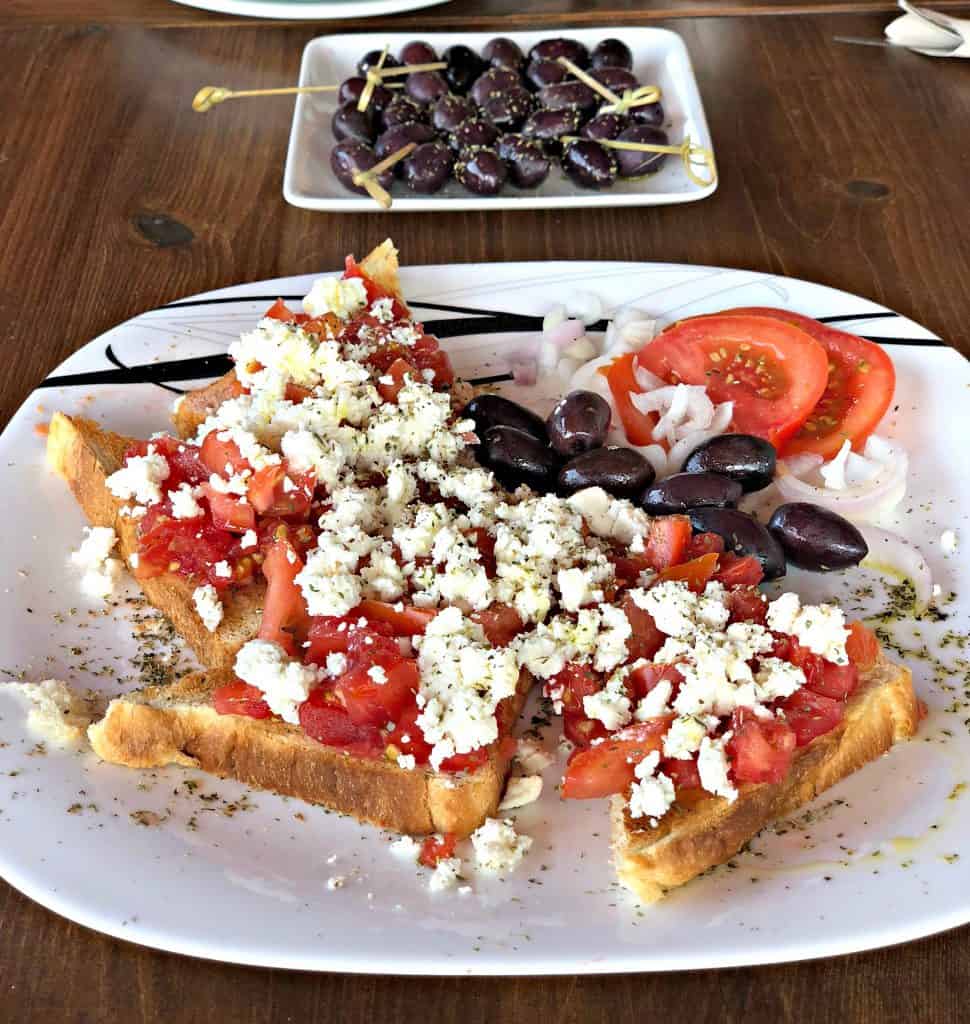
{"x":659,"y":58}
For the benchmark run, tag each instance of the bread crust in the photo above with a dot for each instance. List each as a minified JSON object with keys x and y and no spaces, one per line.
{"x":177,"y":724}
{"x":85,"y":455}
{"x":689,"y":840}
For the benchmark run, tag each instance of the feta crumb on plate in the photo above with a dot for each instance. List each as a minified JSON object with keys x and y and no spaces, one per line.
{"x":498,"y":847}
{"x":445,"y":875}
{"x":521,"y":790}
{"x":101,"y":571}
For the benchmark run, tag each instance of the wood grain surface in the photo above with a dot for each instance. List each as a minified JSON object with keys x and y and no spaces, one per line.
{"x":844,"y":165}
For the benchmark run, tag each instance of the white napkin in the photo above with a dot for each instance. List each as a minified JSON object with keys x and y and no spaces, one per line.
{"x":929,"y":32}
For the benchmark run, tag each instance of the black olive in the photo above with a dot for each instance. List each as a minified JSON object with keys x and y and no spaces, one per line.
{"x":545,"y":72}
{"x":547,"y":126}
{"x":551,"y":49}
{"x":464,"y":66}
{"x":402,"y":109}
{"x":492,"y":82}
{"x":817,"y":539}
{"x":495,"y":411}
{"x":370,"y":60}
{"x":425,"y":86}
{"x":450,"y":111}
{"x":611,"y":53}
{"x":480,"y":170}
{"x":351,"y":89}
{"x":516,"y":457}
{"x":648,"y":113}
{"x":399,"y":136}
{"x":350,"y":157}
{"x":568,"y":96}
{"x":684,"y":491}
{"x":527,"y":162}
{"x":418,"y":52}
{"x":428,"y":167}
{"x":350,"y":123}
{"x":617,"y":80}
{"x":633,"y":163}
{"x":507,"y":110}
{"x":578,"y":423}
{"x":475,"y":131}
{"x":501,"y":52}
{"x":605,"y":126}
{"x":621,"y":471}
{"x":743,"y":535}
{"x":749,"y":460}
{"x":589,"y":164}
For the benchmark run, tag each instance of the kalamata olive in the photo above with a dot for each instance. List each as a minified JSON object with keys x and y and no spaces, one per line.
{"x":450,"y":111}
{"x":817,"y":539}
{"x":540,"y":73}
{"x":516,"y":457}
{"x":402,"y":109}
{"x":568,"y":96}
{"x":635,"y":164}
{"x":464,"y":66}
{"x":370,"y":60}
{"x":400,"y":135}
{"x":749,"y":460}
{"x":495,"y":411}
{"x":475,"y":131}
{"x":527,"y":162}
{"x":742,"y":535}
{"x":617,"y":80}
{"x":480,"y":170}
{"x":589,"y":164}
{"x":491,"y":82}
{"x":418,"y":52}
{"x":347,"y":158}
{"x":551,"y":49}
{"x":425,"y":86}
{"x":507,"y":110}
{"x":620,"y":471}
{"x":578,"y":423}
{"x":428,"y":168}
{"x":350,"y":123}
{"x":648,"y":113}
{"x":684,"y":491}
{"x":501,"y":52}
{"x":605,"y":126}
{"x":611,"y":53}
{"x":351,"y":89}
{"x":546,"y":126}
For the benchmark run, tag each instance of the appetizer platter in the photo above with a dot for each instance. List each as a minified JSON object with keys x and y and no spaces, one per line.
{"x":549,"y":585}
{"x":476,"y":121}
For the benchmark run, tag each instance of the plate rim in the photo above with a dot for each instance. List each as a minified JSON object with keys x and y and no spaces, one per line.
{"x":314,"y":10}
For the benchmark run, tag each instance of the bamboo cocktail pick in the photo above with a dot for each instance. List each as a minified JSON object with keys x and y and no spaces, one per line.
{"x":689,"y":153}
{"x":368,"y":179}
{"x":638,"y":97}
{"x":210,"y":96}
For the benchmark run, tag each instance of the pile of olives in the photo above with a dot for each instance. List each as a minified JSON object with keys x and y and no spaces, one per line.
{"x":566,"y":452}
{"x":495,"y":118}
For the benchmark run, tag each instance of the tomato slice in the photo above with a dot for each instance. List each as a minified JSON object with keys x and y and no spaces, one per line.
{"x":646,"y":639}
{"x":760,"y":750}
{"x":372,"y":702}
{"x":221,"y":457}
{"x":694,"y":573}
{"x":229,"y":512}
{"x":405,"y":620}
{"x":862,"y":646}
{"x":860,"y":386}
{"x":239,"y":698}
{"x":501,"y":623}
{"x":285,"y":620}
{"x":739,"y":570}
{"x":436,"y":848}
{"x":637,"y":426}
{"x":774,"y":372}
{"x":811,"y":714}
{"x":607,"y":767}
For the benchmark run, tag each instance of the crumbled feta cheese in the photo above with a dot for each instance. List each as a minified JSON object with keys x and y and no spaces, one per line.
{"x":713,"y":765}
{"x":335,"y":882}
{"x":521,"y":790}
{"x":341,"y":296}
{"x":140,"y":478}
{"x":656,"y":702}
{"x":407,"y":848}
{"x":820,"y":628}
{"x":531,"y":756}
{"x":446,"y":874}
{"x":949,"y":542}
{"x":248,"y":540}
{"x":777,"y":679}
{"x":684,"y":737}
{"x":285,"y":683}
{"x":498,"y":847}
{"x":336,"y":663}
{"x":651,"y":795}
{"x":223,"y":570}
{"x":378,"y":674}
{"x":101,"y":571}
{"x":208,"y":606}
{"x":611,"y":705}
{"x":184,"y":504}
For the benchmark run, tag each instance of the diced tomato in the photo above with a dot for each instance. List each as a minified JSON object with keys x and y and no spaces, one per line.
{"x":747,"y":604}
{"x":645,"y":678}
{"x":469,"y":762}
{"x":436,"y":848}
{"x":667,"y":541}
{"x":438,"y":363}
{"x":646,"y":639}
{"x":295,"y":393}
{"x":638,"y":426}
{"x":280,"y":311}
{"x":739,"y":570}
{"x":184,"y":461}
{"x":374,"y":291}
{"x":398,"y":371}
{"x":372,"y":702}
{"x":682,"y":773}
{"x":575,"y":682}
{"x":703,"y":543}
{"x":327,"y":722}
{"x":404,"y":621}
{"x":189,"y":548}
{"x":328,"y":634}
{"x":760,"y":750}
{"x":373,"y":644}
{"x":694,"y":573}
{"x":285,"y":620}
{"x":822,"y":676}
{"x":772,"y":371}
{"x":860,"y":385}
{"x":608,"y":767}
{"x":485,"y":543}
{"x":221,"y":457}
{"x":811,"y":714}
{"x":229,"y":511}
{"x":501,"y":622}
{"x":407,"y":735}
{"x":275,"y":491}
{"x":238,"y":698}
{"x":862,"y":646}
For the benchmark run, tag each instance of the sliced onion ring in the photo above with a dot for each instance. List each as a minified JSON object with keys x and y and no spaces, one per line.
{"x":888,"y":550}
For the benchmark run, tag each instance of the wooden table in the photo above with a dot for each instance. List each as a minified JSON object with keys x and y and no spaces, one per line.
{"x":845,"y":165}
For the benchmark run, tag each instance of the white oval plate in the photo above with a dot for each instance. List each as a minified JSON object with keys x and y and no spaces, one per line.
{"x":310,"y":10}
{"x":868,"y":869}
{"x":659,"y":58}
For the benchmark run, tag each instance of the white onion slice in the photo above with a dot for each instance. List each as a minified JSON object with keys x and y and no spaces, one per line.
{"x":677,"y":455}
{"x":586,"y":306}
{"x":564,"y":334}
{"x":656,"y":455}
{"x":646,"y":380}
{"x":723,"y":414}
{"x":888,"y":550}
{"x":629,"y":330}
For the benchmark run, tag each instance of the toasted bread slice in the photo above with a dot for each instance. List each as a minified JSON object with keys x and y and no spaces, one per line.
{"x":85,"y":455}
{"x":190,"y":412}
{"x":177,"y":724}
{"x":690,"y":839}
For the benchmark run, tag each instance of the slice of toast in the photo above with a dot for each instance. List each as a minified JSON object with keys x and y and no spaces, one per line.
{"x":85,"y":455}
{"x":690,"y":839}
{"x":177,"y":724}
